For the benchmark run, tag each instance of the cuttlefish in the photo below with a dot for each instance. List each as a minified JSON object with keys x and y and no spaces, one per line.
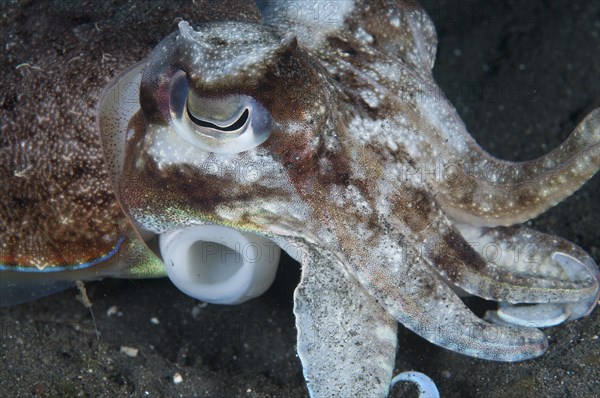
{"x":326,"y":137}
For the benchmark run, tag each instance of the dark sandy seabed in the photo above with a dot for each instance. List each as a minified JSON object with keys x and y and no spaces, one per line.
{"x":521,"y":73}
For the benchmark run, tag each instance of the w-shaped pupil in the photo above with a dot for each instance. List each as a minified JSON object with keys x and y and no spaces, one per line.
{"x":232,"y":127}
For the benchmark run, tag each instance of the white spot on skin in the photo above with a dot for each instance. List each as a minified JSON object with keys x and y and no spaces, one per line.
{"x":371,"y":98}
{"x":363,"y":36}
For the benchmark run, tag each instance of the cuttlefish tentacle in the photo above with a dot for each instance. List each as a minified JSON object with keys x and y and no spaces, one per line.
{"x":346,"y":340}
{"x":392,"y":269}
{"x":427,"y":388}
{"x":524,"y":251}
{"x":471,"y":185}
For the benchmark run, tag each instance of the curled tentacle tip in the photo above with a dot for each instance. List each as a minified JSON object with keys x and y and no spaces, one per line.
{"x":575,"y":268}
{"x":580,"y":269}
{"x":427,"y":388}
{"x":529,"y":315}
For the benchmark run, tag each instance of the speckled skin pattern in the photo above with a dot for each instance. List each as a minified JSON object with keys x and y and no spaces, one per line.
{"x":58,"y":210}
{"x":368,"y":178}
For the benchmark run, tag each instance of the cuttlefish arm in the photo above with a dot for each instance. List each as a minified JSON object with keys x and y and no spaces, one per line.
{"x":346,"y":340}
{"x":476,"y":188}
{"x":423,"y":303}
{"x":415,"y":218}
{"x":524,"y":251}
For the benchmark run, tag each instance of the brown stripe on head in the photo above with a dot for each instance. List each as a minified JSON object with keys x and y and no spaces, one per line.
{"x":186,"y":187}
{"x":308,"y":110}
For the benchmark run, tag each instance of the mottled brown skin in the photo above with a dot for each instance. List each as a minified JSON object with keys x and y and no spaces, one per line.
{"x":485,"y":190}
{"x":347,"y":189}
{"x":57,"y":206}
{"x":351,"y":178}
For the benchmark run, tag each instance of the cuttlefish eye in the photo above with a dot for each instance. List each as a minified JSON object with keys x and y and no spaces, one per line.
{"x":230,"y":124}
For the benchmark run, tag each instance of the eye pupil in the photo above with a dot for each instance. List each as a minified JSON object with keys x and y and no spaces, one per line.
{"x":228,"y":124}
{"x":238,"y":124}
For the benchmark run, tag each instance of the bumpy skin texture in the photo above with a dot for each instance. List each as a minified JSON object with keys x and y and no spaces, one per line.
{"x":58,"y":211}
{"x":344,"y":177}
{"x":339,"y":177}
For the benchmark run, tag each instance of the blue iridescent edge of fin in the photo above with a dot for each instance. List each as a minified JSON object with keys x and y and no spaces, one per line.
{"x":73,"y":267}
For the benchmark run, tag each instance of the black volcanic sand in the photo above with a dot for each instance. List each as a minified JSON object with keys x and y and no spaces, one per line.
{"x":521,"y":73}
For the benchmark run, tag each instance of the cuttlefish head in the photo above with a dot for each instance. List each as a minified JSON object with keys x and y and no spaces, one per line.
{"x":224,"y":125}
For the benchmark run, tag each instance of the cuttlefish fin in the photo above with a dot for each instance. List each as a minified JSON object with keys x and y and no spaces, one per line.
{"x":128,"y":258}
{"x":346,"y":340}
